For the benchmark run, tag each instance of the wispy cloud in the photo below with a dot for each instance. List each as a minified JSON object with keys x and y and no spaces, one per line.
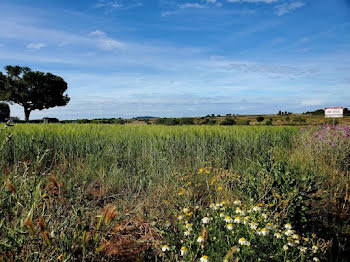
{"x":253,"y":1}
{"x":109,"y":4}
{"x":117,"y":4}
{"x":105,"y":42}
{"x":287,"y":8}
{"x":312,"y":102}
{"x":36,"y":46}
{"x":191,"y":5}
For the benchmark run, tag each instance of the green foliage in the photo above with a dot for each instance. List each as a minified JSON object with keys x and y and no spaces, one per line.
{"x":186,"y":121}
{"x":228,"y":121}
{"x":147,"y":171}
{"x":167,"y":121}
{"x":299,"y":120}
{"x":268,"y":123}
{"x":4,"y":111}
{"x":33,"y":90}
{"x":260,"y":118}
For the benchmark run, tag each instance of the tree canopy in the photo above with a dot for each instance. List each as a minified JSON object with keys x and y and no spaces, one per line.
{"x":4,"y":111}
{"x":33,"y":90}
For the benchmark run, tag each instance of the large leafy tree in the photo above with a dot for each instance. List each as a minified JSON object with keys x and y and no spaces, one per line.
{"x":33,"y":90}
{"x":4,"y":111}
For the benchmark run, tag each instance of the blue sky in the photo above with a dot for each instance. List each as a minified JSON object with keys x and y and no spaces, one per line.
{"x":126,"y":58}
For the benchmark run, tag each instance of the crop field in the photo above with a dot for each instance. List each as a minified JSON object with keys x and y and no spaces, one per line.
{"x":89,"y":192}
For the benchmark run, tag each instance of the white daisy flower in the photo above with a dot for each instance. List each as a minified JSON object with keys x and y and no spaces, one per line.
{"x":242,"y":241}
{"x":187,"y":233}
{"x":264,"y":231}
{"x":204,"y":259}
{"x":295,"y":236}
{"x":237,"y":220}
{"x":256,"y":208}
{"x":229,"y":227}
{"x":303,"y":249}
{"x":183,"y":250}
{"x":278,"y":235}
{"x":285,"y":247}
{"x":289,"y":232}
{"x":165,"y":248}
{"x":288,"y":226}
{"x":200,"y":239}
{"x":228,"y":219}
{"x":253,"y":225}
{"x":237,"y":202}
{"x":205,"y":220}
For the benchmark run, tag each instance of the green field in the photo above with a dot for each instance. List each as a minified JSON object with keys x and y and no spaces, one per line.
{"x":90,"y":192}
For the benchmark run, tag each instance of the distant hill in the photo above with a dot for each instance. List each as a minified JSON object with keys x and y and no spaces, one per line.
{"x":145,"y":117}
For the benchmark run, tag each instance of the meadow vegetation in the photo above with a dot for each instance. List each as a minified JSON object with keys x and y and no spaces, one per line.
{"x":92,"y":192}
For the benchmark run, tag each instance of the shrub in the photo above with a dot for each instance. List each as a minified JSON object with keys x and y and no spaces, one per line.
{"x":228,"y":121}
{"x":167,"y":121}
{"x":186,"y":121}
{"x":260,"y":118}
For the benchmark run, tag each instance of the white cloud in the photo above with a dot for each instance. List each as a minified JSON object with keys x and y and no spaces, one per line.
{"x":97,"y":33}
{"x":253,"y":1}
{"x":36,"y":45}
{"x":110,"y":44}
{"x":191,"y":5}
{"x":105,"y":42}
{"x":312,"y":102}
{"x":108,"y":4}
{"x":287,"y":8}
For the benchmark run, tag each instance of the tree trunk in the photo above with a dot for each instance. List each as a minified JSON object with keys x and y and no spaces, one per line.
{"x":26,"y":114}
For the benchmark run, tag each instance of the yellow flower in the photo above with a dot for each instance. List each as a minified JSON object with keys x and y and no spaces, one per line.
{"x":205,"y":220}
{"x":277,"y":195}
{"x":288,"y":226}
{"x":242,"y":241}
{"x":228,"y":219}
{"x":165,"y":248}
{"x":183,"y":250}
{"x":264,"y":231}
{"x":200,"y":239}
{"x":278,"y":235}
{"x":219,"y":188}
{"x":237,"y":220}
{"x":229,"y":226}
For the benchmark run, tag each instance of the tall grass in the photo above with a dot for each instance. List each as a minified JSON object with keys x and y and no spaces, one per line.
{"x":65,"y":175}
